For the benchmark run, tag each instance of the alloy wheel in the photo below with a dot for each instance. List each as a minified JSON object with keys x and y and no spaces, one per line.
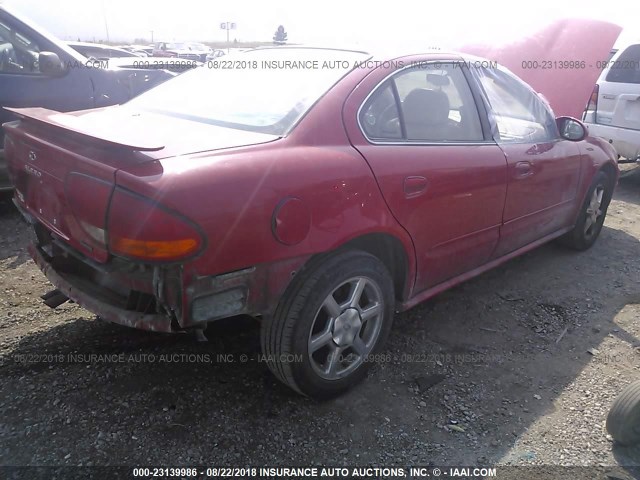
{"x":594,"y":210}
{"x":345,"y":328}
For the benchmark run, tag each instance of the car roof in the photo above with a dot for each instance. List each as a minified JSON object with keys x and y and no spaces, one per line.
{"x":149,"y":62}
{"x":375,"y":53}
{"x":90,"y":44}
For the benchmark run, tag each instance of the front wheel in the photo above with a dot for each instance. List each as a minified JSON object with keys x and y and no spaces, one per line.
{"x":592,"y":215}
{"x":329,"y":324}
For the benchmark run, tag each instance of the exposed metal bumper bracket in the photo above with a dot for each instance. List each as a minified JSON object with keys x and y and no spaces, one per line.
{"x":54,"y":298}
{"x":106,"y":311}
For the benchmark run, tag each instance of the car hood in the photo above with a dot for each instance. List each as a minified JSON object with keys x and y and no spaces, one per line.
{"x":562,"y":61}
{"x":159,"y":136}
{"x":184,"y":52}
{"x":152,"y":63}
{"x":131,"y":61}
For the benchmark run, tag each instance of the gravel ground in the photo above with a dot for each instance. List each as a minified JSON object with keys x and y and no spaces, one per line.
{"x":516,"y":367}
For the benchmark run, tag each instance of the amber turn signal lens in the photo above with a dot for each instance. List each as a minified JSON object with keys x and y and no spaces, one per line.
{"x":142,"y":229}
{"x":159,"y":250}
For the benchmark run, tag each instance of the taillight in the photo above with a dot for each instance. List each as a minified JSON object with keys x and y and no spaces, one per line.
{"x":88,"y":198}
{"x":593,"y":101}
{"x":142,"y":229}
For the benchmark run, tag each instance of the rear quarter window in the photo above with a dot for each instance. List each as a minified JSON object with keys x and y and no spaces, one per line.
{"x":626,"y":68}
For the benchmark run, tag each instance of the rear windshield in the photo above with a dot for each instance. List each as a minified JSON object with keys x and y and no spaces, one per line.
{"x":265,"y":91}
{"x":626,"y":68}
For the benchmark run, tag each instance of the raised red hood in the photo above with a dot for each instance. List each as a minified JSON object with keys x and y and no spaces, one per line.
{"x":536,"y":59}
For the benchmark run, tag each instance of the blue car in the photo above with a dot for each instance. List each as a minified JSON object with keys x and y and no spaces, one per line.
{"x":38,"y":70}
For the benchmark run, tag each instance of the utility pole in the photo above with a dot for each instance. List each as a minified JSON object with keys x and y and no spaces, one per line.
{"x":106,"y":26}
{"x":151,"y":36}
{"x":228,"y":26}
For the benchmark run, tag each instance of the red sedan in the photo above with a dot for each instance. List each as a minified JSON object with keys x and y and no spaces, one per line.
{"x":317,"y":190}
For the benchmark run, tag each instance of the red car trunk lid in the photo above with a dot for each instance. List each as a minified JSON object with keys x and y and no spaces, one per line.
{"x":66,"y":182}
{"x":64,"y":165}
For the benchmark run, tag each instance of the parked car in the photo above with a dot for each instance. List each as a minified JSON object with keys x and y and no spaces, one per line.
{"x":215,"y":53}
{"x":176,"y":65}
{"x":613,"y":112}
{"x":140,"y":50}
{"x":320,"y":203}
{"x":38,"y":70}
{"x":144,"y":50}
{"x":187,"y":50}
{"x":116,"y":59}
{"x":99,"y":51}
{"x":201,"y":50}
{"x":130,"y":60}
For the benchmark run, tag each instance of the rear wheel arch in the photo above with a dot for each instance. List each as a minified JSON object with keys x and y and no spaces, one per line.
{"x":286,"y":336}
{"x":386,"y":247}
{"x":390,"y":251}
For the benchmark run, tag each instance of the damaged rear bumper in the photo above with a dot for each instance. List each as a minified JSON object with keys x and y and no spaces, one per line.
{"x":143,"y":321}
{"x":170,"y":298}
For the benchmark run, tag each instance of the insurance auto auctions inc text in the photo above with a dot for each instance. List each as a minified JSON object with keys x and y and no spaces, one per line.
{"x":222,"y":64}
{"x":350,"y":472}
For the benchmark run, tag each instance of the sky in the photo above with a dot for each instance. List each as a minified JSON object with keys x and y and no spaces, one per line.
{"x":398,"y":23}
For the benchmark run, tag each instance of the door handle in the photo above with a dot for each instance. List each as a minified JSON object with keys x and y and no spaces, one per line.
{"x":523,"y":170}
{"x":414,"y":186}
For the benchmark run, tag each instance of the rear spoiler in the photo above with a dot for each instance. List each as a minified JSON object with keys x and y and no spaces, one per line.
{"x":110,"y":134}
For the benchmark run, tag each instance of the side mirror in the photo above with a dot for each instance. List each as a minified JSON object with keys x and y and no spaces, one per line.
{"x":50,"y":64}
{"x":571,"y":129}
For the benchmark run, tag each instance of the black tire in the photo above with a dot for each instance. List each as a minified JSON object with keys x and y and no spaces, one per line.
{"x":578,"y":238}
{"x":286,"y":336}
{"x":623,"y":421}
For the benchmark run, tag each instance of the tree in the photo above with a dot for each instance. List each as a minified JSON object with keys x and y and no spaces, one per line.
{"x":280,"y":36}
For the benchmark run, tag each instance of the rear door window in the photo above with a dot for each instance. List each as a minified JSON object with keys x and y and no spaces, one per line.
{"x":380,"y":117}
{"x":437,"y":104}
{"x":430,"y":103}
{"x":626,"y":68}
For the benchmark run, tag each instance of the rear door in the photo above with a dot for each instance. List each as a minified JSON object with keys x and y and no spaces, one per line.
{"x":619,"y":95}
{"x":543,"y":169}
{"x":422,"y":134}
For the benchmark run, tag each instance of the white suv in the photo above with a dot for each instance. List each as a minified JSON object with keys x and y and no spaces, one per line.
{"x":614,"y":109}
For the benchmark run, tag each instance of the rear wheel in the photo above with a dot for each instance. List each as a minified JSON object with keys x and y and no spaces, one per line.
{"x":592,"y":215}
{"x":623,"y":421}
{"x":330,"y":321}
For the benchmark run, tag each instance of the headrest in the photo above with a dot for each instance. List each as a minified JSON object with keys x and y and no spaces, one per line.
{"x":426,"y":107}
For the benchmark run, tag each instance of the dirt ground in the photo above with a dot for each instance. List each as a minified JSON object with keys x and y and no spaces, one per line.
{"x":516,"y":367}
